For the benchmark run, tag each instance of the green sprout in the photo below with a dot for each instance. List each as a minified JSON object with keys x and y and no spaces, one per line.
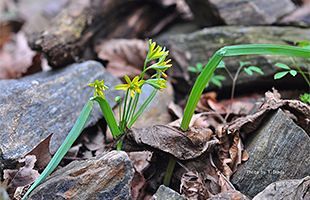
{"x":129,"y":113}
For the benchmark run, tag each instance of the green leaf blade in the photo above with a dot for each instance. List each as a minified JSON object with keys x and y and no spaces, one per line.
{"x":293,"y":72}
{"x":63,"y":149}
{"x":109,"y":116}
{"x":282,"y":66}
{"x":280,"y":75}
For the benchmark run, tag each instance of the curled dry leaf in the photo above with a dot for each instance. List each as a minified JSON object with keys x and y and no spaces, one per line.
{"x":124,"y":56}
{"x":272,"y":101}
{"x":168,"y":139}
{"x":193,"y":186}
{"x":25,"y":175}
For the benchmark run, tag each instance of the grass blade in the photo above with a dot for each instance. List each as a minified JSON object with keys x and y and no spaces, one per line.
{"x":63,"y":149}
{"x":109,"y":116}
{"x":236,"y":50}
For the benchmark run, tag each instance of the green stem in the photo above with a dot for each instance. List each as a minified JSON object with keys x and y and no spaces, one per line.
{"x":129,"y":107}
{"x":142,"y":108}
{"x":237,"y":50}
{"x":134,"y":107}
{"x":122,"y":123}
{"x":169,"y":171}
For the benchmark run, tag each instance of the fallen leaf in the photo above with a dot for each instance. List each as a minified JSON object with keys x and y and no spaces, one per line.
{"x":124,"y":56}
{"x":193,"y":187}
{"x":171,"y":140}
{"x":16,"y":57}
{"x":141,"y":160}
{"x":138,"y":183}
{"x":23,"y":176}
{"x":42,"y":153}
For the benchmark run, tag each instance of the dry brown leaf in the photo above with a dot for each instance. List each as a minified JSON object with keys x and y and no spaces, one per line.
{"x":171,"y":140}
{"x":124,"y":56}
{"x":42,"y":153}
{"x":175,"y":110}
{"x":138,"y":183}
{"x":141,"y":160}
{"x":193,"y":186}
{"x":25,"y":175}
{"x":16,"y":57}
{"x":272,"y":101}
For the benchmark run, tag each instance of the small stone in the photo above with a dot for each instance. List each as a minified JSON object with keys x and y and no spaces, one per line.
{"x":165,"y":193}
{"x":279,"y":150}
{"x":108,"y":176}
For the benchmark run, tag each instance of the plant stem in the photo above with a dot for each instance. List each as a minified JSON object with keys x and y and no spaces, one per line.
{"x":169,"y":171}
{"x":122,"y":123}
{"x":134,"y":107}
{"x":129,"y":107}
{"x":142,"y":108}
{"x":301,"y":72}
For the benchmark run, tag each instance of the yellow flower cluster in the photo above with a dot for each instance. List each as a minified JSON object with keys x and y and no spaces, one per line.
{"x":99,"y":87}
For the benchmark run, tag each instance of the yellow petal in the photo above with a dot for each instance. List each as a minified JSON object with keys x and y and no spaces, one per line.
{"x":122,"y":87}
{"x":127,"y":79}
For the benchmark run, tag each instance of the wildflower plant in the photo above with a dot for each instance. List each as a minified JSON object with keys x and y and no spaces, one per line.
{"x":156,"y":61}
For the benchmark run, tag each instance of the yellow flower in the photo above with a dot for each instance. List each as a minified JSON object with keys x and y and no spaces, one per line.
{"x":133,"y":86}
{"x":155,"y":51}
{"x":99,"y":87}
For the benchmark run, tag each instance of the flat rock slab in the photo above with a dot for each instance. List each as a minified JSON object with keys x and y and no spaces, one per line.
{"x":165,"y":193}
{"x":198,"y":47}
{"x":239,"y":12}
{"x":105,"y":177}
{"x":286,"y":190}
{"x":47,"y":103}
{"x":279,"y":150}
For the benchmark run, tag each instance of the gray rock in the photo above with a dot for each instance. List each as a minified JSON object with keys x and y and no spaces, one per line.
{"x":279,"y":150}
{"x":188,"y":49}
{"x":239,"y":12}
{"x":3,"y":194}
{"x":47,"y":103}
{"x":295,"y":189}
{"x":300,"y":17}
{"x":106,"y":177}
{"x":229,"y":195}
{"x":165,"y":193}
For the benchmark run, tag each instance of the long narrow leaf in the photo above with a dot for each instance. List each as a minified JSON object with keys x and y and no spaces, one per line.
{"x":236,"y":50}
{"x":63,"y":149}
{"x":109,"y":116}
